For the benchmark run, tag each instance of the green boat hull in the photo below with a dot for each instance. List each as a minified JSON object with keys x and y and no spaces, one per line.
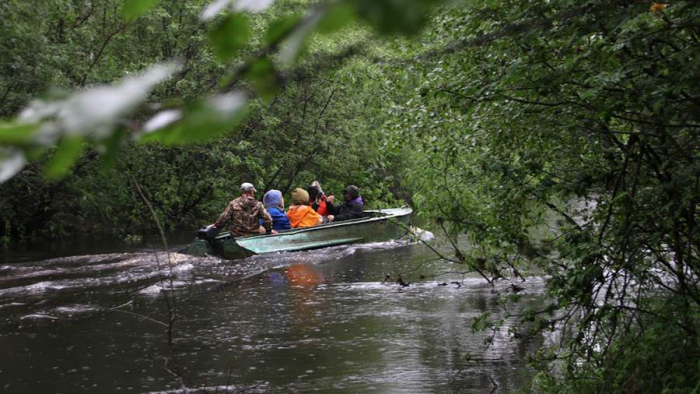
{"x":377,"y":226}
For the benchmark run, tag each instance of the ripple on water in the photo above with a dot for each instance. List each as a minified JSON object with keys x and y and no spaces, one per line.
{"x":76,"y":309}
{"x":331,"y":325}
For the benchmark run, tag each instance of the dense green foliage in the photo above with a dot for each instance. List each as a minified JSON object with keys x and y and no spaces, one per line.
{"x":558,"y":135}
{"x":305,"y":132}
{"x":567,"y":135}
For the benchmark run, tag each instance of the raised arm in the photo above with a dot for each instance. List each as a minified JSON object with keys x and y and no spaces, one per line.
{"x":224,"y":217}
{"x":330,"y":207}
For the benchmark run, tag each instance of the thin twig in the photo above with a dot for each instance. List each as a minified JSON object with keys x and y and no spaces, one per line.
{"x":493,"y":382}
{"x":170,"y":304}
{"x":140,"y":316}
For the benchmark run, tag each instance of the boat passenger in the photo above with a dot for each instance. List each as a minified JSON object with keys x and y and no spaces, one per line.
{"x":317,"y":199}
{"x":300,"y":214}
{"x":243,"y":215}
{"x":274,"y":203}
{"x":352,"y":208}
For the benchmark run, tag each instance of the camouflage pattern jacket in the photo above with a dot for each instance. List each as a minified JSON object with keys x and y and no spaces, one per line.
{"x":242,"y":215}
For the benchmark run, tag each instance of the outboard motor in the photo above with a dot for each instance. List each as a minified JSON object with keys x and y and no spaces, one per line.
{"x":208,"y":232}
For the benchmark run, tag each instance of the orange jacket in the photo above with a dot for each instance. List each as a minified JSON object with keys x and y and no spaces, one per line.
{"x":303,"y":216}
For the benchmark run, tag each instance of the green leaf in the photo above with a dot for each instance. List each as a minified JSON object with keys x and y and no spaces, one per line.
{"x":202,"y":121}
{"x":17,"y":134}
{"x":111,"y":149}
{"x":293,"y":44}
{"x":60,"y":164}
{"x":395,"y":16}
{"x":229,"y":36}
{"x":280,"y":28}
{"x":336,"y":17}
{"x":263,"y":77}
{"x":134,"y":8}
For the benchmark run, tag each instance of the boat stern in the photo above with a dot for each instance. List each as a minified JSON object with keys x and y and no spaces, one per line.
{"x":199,"y":248}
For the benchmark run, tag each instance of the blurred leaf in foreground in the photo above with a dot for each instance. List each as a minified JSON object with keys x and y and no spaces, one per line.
{"x":91,"y":114}
{"x":336,"y":17}
{"x":280,"y":28}
{"x":17,"y":134}
{"x":62,"y":161}
{"x":293,"y":44}
{"x":395,"y":16}
{"x":218,"y":6}
{"x":12,"y":161}
{"x":200,"y":121}
{"x":229,"y":36}
{"x":110,"y":148}
{"x":96,"y":111}
{"x":135,"y":8}
{"x":263,"y":77}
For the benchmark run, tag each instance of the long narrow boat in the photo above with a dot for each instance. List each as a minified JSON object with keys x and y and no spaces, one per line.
{"x":376,"y":226}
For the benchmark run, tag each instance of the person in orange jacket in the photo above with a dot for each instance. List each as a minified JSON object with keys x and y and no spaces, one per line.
{"x":300,"y":214}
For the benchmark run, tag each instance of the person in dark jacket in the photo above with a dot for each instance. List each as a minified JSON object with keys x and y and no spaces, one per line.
{"x":352,"y":208}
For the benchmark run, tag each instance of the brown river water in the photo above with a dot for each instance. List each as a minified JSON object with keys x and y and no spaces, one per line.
{"x":318,"y":321}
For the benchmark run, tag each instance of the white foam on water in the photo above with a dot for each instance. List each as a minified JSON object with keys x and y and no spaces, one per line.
{"x":76,"y":309}
{"x":41,"y":287}
{"x":260,"y":388}
{"x":96,"y":270}
{"x":151,"y":290}
{"x":177,"y":285}
{"x":82,"y":260}
{"x":164,"y":285}
{"x":423,"y":235}
{"x":38,"y":316}
{"x":12,"y":304}
{"x":183,"y":267}
{"x":36,"y":274}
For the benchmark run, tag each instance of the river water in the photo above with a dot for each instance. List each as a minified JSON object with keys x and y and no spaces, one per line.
{"x":291,"y":322}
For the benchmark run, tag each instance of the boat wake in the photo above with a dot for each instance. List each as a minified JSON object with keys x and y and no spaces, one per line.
{"x":80,"y":286}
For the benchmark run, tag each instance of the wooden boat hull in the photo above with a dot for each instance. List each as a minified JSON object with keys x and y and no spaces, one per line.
{"x":379,"y":225}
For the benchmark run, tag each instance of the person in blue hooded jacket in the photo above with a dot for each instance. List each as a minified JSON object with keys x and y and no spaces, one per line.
{"x":274,"y":204}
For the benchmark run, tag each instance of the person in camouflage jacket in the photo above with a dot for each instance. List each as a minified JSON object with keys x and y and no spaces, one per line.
{"x":243,"y":215}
